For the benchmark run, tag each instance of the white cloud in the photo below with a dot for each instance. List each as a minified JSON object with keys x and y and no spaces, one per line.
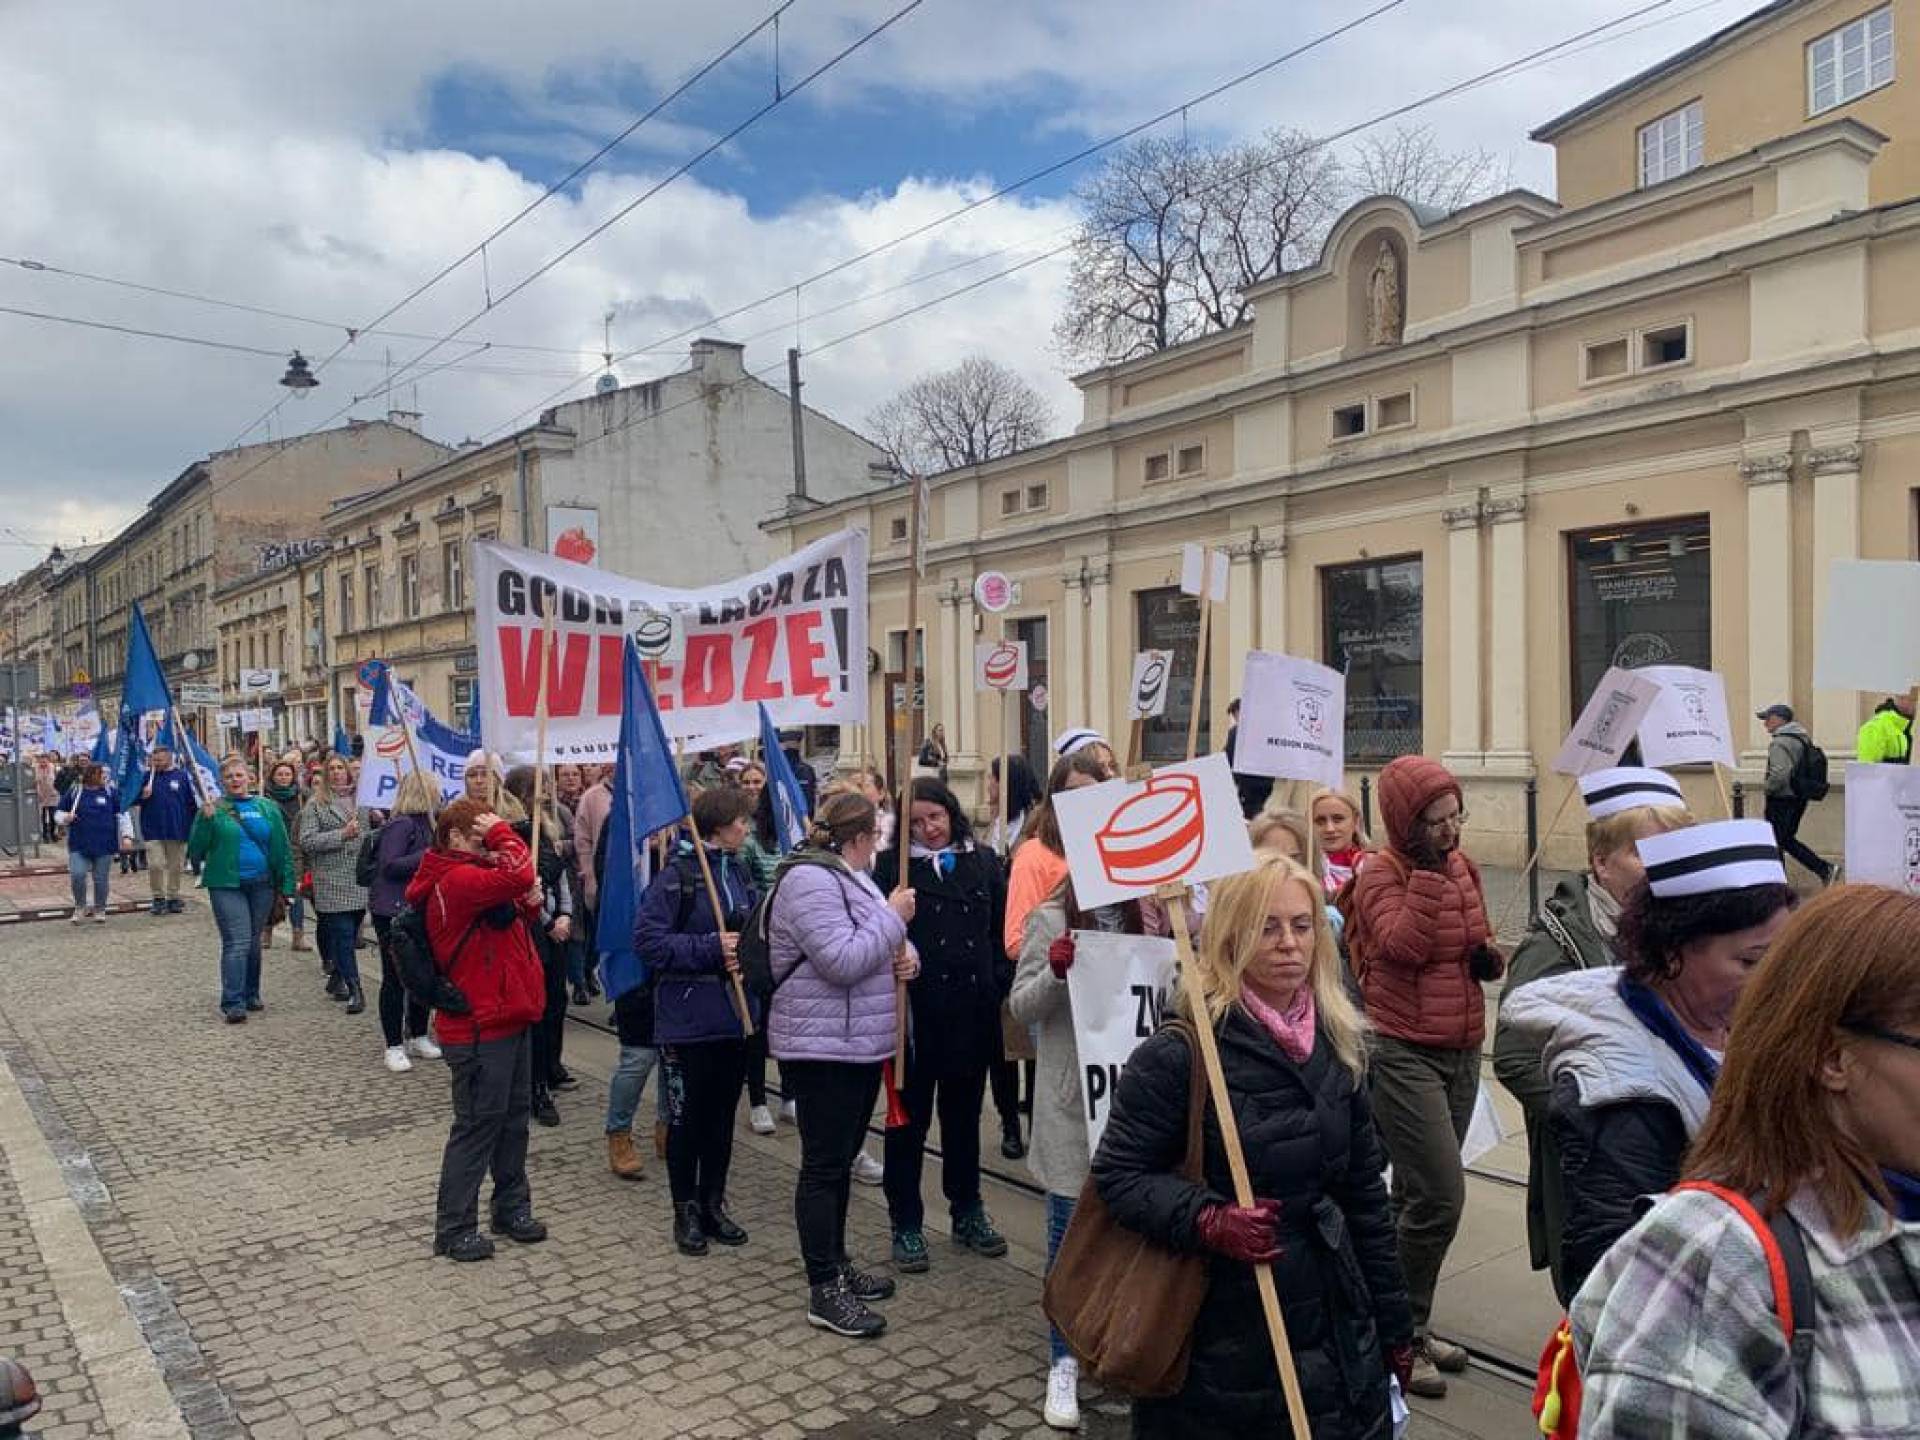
{"x":272,"y":155}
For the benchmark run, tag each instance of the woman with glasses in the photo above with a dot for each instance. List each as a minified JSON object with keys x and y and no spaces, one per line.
{"x":1421,"y":946}
{"x":1816,"y":1119}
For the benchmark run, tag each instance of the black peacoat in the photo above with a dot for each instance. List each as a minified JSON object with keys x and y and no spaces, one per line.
{"x":954,"y":1003}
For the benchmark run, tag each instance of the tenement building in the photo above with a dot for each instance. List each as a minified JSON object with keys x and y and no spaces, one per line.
{"x":1473,"y":459}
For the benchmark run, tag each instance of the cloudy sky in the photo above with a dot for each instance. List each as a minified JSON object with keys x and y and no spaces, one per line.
{"x":322,"y":161}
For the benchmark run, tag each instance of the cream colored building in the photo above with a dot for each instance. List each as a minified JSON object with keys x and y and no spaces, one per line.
{"x":1473,"y":459}
{"x":271,"y":621}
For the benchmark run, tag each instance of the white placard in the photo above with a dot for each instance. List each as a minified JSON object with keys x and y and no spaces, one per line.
{"x":259,"y":682}
{"x":1868,"y":638}
{"x":228,"y":720}
{"x":254,"y":722}
{"x":1293,"y":718}
{"x":1147,"y":691}
{"x":199,"y":695}
{"x":573,"y":533}
{"x":1883,"y":825}
{"x":1687,"y":724}
{"x":1606,"y":727}
{"x":1180,"y":826}
{"x":1192,"y":559}
{"x":1000,"y":666}
{"x":1119,"y":987}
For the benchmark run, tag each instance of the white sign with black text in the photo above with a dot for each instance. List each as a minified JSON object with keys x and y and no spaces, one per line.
{"x":1883,"y":826}
{"x":1687,"y":723}
{"x":1119,"y":987}
{"x":1293,"y":717}
{"x":1606,"y":727}
{"x":259,"y":682}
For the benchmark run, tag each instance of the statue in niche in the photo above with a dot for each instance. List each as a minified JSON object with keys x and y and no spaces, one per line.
{"x":1386,"y":314}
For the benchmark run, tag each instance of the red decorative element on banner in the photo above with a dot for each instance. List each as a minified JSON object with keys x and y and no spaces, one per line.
{"x":1157,"y":836}
{"x":1002,"y":665}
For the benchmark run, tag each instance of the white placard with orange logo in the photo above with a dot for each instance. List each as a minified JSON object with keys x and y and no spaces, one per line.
{"x":1293,"y":720}
{"x":1179,"y":826}
{"x":1119,"y":986}
{"x":1000,"y":666}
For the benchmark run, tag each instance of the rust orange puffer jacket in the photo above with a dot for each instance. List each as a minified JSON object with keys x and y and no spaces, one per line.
{"x":1417,"y":928}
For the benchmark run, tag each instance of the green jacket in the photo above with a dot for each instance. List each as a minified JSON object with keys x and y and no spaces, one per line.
{"x":215,"y":843}
{"x":1561,"y":941}
{"x":1886,"y":739}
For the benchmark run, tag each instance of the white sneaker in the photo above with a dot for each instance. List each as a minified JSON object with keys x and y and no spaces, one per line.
{"x":99,"y":917}
{"x":397,"y":1059}
{"x":79,"y":916}
{"x":867,"y":1170}
{"x":423,"y":1048}
{"x":762,"y":1120}
{"x":790,"y":1111}
{"x":1062,"y":1410}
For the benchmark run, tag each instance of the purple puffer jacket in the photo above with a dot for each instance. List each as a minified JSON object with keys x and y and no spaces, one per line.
{"x":833,"y":942}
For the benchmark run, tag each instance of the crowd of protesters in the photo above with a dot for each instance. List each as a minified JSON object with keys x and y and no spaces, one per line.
{"x":1666,"y":1021}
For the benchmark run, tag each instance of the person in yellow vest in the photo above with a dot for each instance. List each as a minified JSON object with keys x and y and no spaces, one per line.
{"x":1887,"y":737}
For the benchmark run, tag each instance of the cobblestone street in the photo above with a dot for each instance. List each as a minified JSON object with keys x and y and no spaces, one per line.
{"x":261,"y":1196}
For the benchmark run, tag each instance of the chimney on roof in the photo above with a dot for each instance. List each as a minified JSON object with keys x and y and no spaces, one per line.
{"x":717,"y":362}
{"x":405,"y":419}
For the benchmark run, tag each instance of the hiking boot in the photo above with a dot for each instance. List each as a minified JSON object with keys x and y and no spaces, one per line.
{"x":300,"y":940}
{"x":622,"y":1159}
{"x":467,"y":1245}
{"x":1062,"y":1410}
{"x":688,"y":1237}
{"x":864,"y":1287}
{"x":834,"y":1307}
{"x":910,"y":1251}
{"x":1444,"y":1354}
{"x":975,"y":1232}
{"x":719,"y":1226}
{"x":545,"y":1111}
{"x":519,"y":1227}
{"x":1426,"y":1380}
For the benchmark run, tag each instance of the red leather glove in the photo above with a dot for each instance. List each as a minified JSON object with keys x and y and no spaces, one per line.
{"x":1060,"y":957}
{"x":1399,"y":1360}
{"x":1242,"y":1232}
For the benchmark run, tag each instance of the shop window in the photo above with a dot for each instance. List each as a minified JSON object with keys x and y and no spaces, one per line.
{"x":1349,"y":421}
{"x":1373,"y":615}
{"x":1642,"y":595}
{"x":1158,"y":466}
{"x":1393,"y":412}
{"x":1169,"y":620}
{"x":1845,"y":64}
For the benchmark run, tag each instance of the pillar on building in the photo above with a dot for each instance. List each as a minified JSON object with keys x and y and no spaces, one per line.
{"x":1769,"y":593}
{"x":1836,"y":536}
{"x":1270,"y":566}
{"x":1099,"y":608}
{"x":956,"y":658}
{"x":1464,"y":749}
{"x":1508,"y":750}
{"x":1068,"y":702}
{"x":1242,"y":615}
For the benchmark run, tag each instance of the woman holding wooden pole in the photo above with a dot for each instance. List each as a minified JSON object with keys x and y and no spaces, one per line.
{"x":1293,"y":1057}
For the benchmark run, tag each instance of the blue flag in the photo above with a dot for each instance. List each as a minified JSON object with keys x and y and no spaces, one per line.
{"x":103,"y":747}
{"x":129,"y":759}
{"x":342,"y":746}
{"x":194,"y":759}
{"x":789,"y":800}
{"x":146,"y":684}
{"x":647,"y":796}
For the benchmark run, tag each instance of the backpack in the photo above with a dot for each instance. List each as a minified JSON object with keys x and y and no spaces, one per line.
{"x":1557,"y":1390}
{"x":1809,"y":778}
{"x":421,"y":975}
{"x":756,"y":940}
{"x":366,"y":864}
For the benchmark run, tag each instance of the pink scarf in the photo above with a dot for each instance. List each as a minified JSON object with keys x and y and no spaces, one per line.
{"x":1293,"y":1031}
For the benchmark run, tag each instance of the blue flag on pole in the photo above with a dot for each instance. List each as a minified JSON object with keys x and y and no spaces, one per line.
{"x":103,"y":747}
{"x":129,"y":759}
{"x":647,"y":796}
{"x":145,"y":689}
{"x":342,"y":745}
{"x":789,"y":800}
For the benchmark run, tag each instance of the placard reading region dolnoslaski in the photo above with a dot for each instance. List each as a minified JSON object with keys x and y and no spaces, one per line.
{"x":1118,"y":986}
{"x":1293,"y":717}
{"x":792,"y":637}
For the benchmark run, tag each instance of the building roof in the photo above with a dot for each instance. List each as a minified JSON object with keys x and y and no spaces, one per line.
{"x":1679,"y":60}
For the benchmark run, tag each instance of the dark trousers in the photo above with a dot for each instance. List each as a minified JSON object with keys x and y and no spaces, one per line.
{"x":1784,"y":814}
{"x":1423,"y":1100}
{"x":333,"y":932}
{"x":957,"y":1100}
{"x":492,"y":1092}
{"x":702,"y":1089}
{"x":549,"y":1031}
{"x":396,"y":1006}
{"x":1005,"y":1076}
{"x":757,"y":1066}
{"x":835,"y":1103}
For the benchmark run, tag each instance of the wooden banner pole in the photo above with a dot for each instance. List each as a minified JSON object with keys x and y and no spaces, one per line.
{"x":740,"y":1005}
{"x":1201,"y":656}
{"x":904,"y":813}
{"x":1520,"y":887}
{"x":540,"y":707}
{"x":1726,"y":798}
{"x":1175,"y":898}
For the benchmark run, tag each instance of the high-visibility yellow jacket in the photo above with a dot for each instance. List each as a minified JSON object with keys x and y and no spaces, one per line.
{"x":1886,"y":739}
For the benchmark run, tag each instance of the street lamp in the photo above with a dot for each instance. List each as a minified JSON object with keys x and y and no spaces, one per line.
{"x":299,"y":377}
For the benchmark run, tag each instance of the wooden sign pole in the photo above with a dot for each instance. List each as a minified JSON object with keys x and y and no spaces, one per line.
{"x":904,"y":814}
{"x":1520,"y":886}
{"x":713,"y":896}
{"x":1175,"y":899}
{"x":540,"y":707}
{"x":1720,"y":781}
{"x":1201,"y":657}
{"x":1007,"y":718}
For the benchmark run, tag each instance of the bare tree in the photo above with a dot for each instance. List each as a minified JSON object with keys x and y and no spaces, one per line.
{"x":979,"y":410}
{"x":1174,"y":232}
{"x":1412,"y":164}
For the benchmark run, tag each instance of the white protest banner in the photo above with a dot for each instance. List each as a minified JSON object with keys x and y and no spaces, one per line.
{"x":1883,"y":826}
{"x":1192,"y":559}
{"x":253,"y":722}
{"x":191,"y":695}
{"x":1606,"y":727}
{"x":792,"y":636}
{"x":1119,"y":986}
{"x":1000,"y":666}
{"x":1293,"y":718}
{"x":1126,"y":838}
{"x":1147,"y":691}
{"x":1687,"y":723}
{"x":259,"y":682}
{"x":228,"y":720}
{"x":1868,"y":638}
{"x":441,"y":751}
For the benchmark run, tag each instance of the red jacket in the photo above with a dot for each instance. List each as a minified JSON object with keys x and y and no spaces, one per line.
{"x":1415,"y":929}
{"x":497,"y":969}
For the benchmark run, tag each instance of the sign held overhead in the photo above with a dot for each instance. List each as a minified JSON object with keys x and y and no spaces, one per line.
{"x":1180,"y":826}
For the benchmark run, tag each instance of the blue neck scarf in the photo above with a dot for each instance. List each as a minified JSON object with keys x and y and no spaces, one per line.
{"x":1652,"y":1012}
{"x":1905,"y":1190}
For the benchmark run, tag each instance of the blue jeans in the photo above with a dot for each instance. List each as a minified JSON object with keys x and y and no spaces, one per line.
{"x":240,"y":914}
{"x":628,"y":1085}
{"x":79,"y":868}
{"x":333,"y":932}
{"x":297,"y":914}
{"x":1060,"y":1210}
